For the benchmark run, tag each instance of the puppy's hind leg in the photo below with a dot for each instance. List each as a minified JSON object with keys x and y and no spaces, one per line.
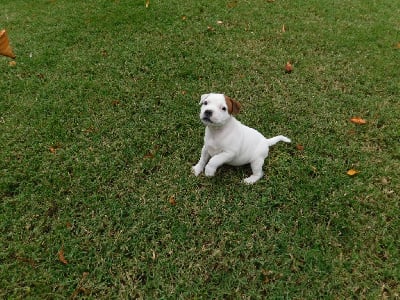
{"x":256,"y":168}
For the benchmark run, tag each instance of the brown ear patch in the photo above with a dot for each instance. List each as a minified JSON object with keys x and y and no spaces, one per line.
{"x":233,"y":106}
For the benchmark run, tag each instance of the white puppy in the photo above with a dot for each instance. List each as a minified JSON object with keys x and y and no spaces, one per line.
{"x":227,"y":141}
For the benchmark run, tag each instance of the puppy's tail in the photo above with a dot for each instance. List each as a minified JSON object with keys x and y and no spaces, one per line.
{"x":276,"y":139}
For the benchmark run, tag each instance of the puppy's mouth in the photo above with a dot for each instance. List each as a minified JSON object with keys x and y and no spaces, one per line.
{"x":206,"y":120}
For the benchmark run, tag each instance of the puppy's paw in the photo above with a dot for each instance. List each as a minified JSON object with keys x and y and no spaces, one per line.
{"x":197,"y":169}
{"x":209,"y":171}
{"x":251,"y":180}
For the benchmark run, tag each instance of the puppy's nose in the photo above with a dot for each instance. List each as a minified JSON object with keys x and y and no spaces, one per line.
{"x":208,"y":113}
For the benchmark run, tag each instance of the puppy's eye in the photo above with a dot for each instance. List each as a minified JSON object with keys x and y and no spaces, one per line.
{"x":205,"y":103}
{"x":224,"y":108}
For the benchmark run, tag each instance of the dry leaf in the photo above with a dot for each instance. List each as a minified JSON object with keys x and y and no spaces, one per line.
{"x":232,"y":4}
{"x":147,"y":3}
{"x":352,"y":172}
{"x":288,"y":67}
{"x":283,"y":28}
{"x":172,"y":200}
{"x":210,"y":28}
{"x":80,"y":289}
{"x":115,"y":102}
{"x":357,"y":120}
{"x":29,"y":261}
{"x":61,"y":256}
{"x":53,"y":149}
{"x":299,"y":147}
{"x":12,"y":63}
{"x":220,"y":22}
{"x":5,"y":48}
{"x":184,"y":18}
{"x":148,"y":155}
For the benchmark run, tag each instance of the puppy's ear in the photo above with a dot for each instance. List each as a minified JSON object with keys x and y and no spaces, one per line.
{"x":203,"y":97}
{"x":233,"y":105}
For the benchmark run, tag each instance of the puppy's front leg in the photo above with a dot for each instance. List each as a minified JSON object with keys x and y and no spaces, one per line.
{"x":216,"y":161}
{"x":204,"y":158}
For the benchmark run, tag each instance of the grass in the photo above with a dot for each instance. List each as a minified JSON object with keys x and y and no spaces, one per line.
{"x":99,"y":129}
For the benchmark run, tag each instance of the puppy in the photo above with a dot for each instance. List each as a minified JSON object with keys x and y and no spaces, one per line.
{"x":227,"y":141}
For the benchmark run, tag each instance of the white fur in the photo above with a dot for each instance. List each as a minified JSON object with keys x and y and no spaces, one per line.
{"x":227,"y":141}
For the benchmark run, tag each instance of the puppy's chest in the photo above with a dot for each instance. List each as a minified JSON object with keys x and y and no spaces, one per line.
{"x":214,"y":144}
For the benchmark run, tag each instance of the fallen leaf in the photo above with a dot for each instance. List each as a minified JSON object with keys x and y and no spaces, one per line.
{"x":29,"y":261}
{"x":232,"y":4}
{"x":116,"y":102}
{"x":61,"y":256}
{"x":299,"y":147}
{"x":210,"y":28}
{"x":80,"y":289}
{"x":352,"y":172}
{"x":5,"y":48}
{"x":288,"y":67}
{"x":220,"y":22}
{"x":53,"y":149}
{"x":172,"y":200}
{"x":148,"y":155}
{"x":283,"y":28}
{"x":147,"y":3}
{"x":12,"y":63}
{"x":91,"y":129}
{"x":359,"y":121}
{"x":184,"y":18}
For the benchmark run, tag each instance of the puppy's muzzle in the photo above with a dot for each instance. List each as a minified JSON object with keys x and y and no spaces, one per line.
{"x":207,"y":114}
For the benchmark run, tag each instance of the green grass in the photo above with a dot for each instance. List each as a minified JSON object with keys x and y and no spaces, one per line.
{"x":112,"y":87}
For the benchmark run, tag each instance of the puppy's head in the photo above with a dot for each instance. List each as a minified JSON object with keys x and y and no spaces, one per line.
{"x":216,"y":109}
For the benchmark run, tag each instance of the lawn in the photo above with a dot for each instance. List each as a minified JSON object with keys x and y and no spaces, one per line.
{"x":99,"y":130}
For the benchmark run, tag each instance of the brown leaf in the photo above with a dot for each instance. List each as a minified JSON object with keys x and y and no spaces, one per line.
{"x":299,"y":147}
{"x":288,"y":67}
{"x":184,"y":18}
{"x":61,"y":256}
{"x":53,"y":149}
{"x":357,"y":120}
{"x":148,"y":155}
{"x":232,"y":4}
{"x":29,"y":261}
{"x":283,"y":28}
{"x":80,"y":289}
{"x":115,"y":102}
{"x":147,"y":3}
{"x":5,"y":48}
{"x":352,"y":172}
{"x":12,"y":63}
{"x":172,"y":200}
